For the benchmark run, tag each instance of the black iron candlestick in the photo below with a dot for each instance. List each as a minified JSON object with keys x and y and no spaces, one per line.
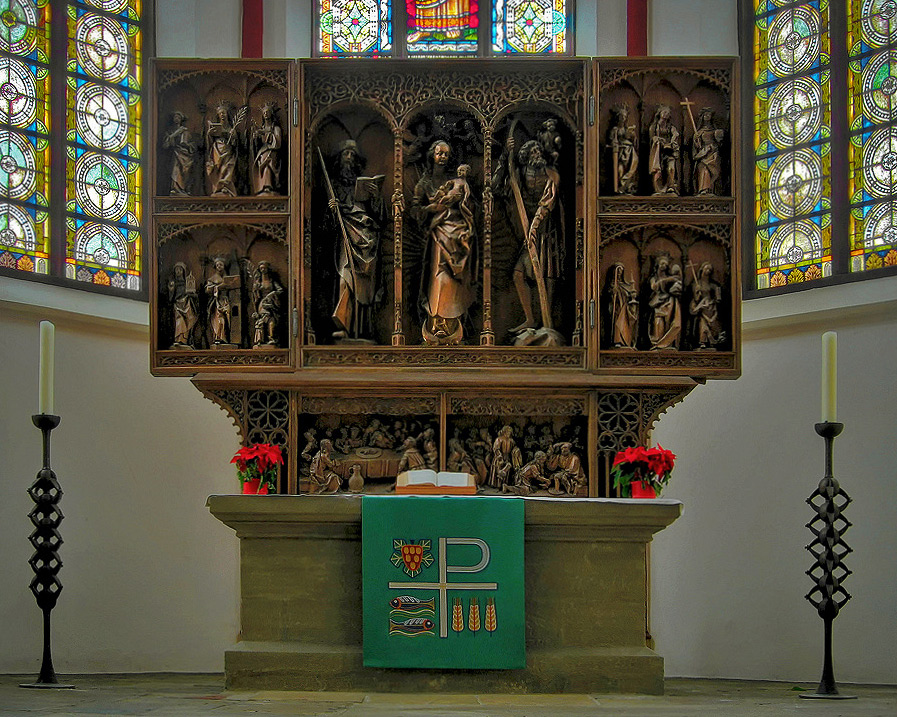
{"x":828,"y":547}
{"x":46,"y":517}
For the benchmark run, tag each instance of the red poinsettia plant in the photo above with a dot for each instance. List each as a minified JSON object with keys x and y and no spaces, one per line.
{"x":648,"y":465}
{"x":258,"y":461}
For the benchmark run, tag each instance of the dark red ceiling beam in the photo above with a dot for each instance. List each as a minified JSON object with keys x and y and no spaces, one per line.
{"x":253,"y":28}
{"x":636,"y":28}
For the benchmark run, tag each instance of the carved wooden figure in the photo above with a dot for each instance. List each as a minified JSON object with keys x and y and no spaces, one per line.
{"x":266,"y":147}
{"x":445,"y":210}
{"x":532,"y":187}
{"x":706,"y":295}
{"x":182,"y":145}
{"x":623,"y":141}
{"x":706,"y":157}
{"x":223,"y":293}
{"x":665,"y":329}
{"x":664,"y":162}
{"x":323,"y":469}
{"x":624,"y":308}
{"x":185,"y":306}
{"x":359,"y":213}
{"x":267,"y":314}
{"x":222,"y":147}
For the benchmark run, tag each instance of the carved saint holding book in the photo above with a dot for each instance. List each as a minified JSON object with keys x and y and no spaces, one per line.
{"x":359,"y":213}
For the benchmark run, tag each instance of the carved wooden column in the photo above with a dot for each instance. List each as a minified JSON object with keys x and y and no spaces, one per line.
{"x":398,"y":210}
{"x":487,"y":335}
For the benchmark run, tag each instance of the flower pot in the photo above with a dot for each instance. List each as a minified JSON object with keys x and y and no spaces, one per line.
{"x":642,"y":489}
{"x":252,"y":487}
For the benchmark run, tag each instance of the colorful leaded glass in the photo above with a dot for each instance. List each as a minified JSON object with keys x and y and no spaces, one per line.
{"x":792,"y":121}
{"x":872,"y":39}
{"x":104,"y":177}
{"x":534,"y":27}
{"x":24,"y":135}
{"x":355,"y":27}
{"x":442,"y":27}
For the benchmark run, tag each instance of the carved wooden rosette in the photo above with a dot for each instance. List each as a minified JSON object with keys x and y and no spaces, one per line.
{"x":462,"y":386}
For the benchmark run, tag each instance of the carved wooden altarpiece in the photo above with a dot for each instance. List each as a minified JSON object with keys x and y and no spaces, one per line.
{"x":508,"y":267}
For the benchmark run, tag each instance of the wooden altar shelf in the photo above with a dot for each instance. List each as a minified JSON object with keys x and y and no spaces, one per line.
{"x":300,"y":599}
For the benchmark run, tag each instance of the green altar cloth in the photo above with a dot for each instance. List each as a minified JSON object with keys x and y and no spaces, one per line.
{"x":443,"y":582}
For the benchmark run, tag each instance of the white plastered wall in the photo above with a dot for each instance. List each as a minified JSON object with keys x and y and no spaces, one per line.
{"x":151,"y":579}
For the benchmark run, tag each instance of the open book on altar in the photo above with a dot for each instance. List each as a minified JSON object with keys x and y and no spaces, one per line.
{"x":428,"y":482}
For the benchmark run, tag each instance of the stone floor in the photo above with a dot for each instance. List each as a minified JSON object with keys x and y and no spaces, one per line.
{"x":180,"y":695}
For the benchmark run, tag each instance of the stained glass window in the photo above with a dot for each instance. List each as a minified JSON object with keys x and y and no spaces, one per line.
{"x":24,"y":135}
{"x":434,"y":28}
{"x":791,"y":138}
{"x":96,"y":138}
{"x":104,"y":177}
{"x":824,"y":69}
{"x":872,"y":39}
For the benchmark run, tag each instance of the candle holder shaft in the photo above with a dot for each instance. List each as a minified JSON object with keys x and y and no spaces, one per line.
{"x":46,"y":517}
{"x":828,"y":596}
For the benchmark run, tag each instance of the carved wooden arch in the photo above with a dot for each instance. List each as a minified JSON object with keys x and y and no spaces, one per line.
{"x":276,"y":231}
{"x":719,"y":78}
{"x":720,"y":232}
{"x":347,"y":104}
{"x":436,"y":102}
{"x":569,"y":120}
{"x":276,"y":78}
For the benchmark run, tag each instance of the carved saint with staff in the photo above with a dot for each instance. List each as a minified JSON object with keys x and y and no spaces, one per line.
{"x":534,"y":186}
{"x":358,"y":209}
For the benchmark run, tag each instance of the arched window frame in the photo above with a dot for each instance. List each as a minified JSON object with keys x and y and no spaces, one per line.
{"x":63,"y":219}
{"x":837,"y":72}
{"x":399,"y":19}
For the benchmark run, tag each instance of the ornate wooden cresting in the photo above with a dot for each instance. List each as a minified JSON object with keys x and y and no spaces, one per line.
{"x":506,"y":267}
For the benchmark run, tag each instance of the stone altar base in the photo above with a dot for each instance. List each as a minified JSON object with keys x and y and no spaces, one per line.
{"x":586,"y":593}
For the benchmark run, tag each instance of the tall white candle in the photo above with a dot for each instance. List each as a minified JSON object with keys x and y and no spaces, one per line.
{"x":829,"y":375}
{"x":47,"y":352}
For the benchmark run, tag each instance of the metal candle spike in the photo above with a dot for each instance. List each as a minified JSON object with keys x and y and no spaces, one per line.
{"x":828,"y":547}
{"x":46,"y":517}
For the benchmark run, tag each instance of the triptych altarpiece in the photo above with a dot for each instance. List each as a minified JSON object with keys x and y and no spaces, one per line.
{"x":506,"y":267}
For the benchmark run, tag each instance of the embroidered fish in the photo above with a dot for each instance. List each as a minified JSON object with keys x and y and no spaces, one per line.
{"x":412,"y":626}
{"x":407,"y":602}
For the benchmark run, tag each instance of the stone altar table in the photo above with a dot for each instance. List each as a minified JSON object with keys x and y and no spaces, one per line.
{"x":586,"y":598}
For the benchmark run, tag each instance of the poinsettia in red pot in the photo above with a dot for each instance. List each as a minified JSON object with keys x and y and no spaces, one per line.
{"x":257,"y":467}
{"x":642,"y":472}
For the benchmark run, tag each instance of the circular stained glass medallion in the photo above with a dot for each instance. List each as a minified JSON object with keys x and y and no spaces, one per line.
{"x":109,"y":5}
{"x":17,"y":229}
{"x":18,"y":20}
{"x":101,"y":245}
{"x":881,"y":226}
{"x":795,"y":183}
{"x":879,"y":22}
{"x":880,"y":162}
{"x":102,"y":47}
{"x":102,"y":116}
{"x":793,"y":243}
{"x":17,"y":166}
{"x":880,"y":87}
{"x":17,"y":93}
{"x":101,"y":185}
{"x":795,"y":112}
{"x":794,"y":40}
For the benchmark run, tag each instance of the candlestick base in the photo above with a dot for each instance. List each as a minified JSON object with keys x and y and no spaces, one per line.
{"x":824,"y":696}
{"x":47,"y":685}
